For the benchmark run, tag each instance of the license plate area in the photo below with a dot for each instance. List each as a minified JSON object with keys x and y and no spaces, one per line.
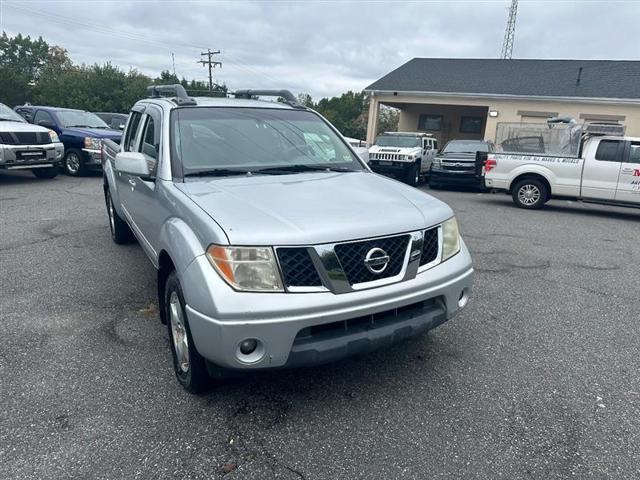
{"x":385,"y":163}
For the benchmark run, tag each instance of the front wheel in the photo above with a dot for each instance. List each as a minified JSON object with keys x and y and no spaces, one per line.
{"x":73,"y":162}
{"x":189,"y":366}
{"x":412,"y":175}
{"x":48,"y":172}
{"x":530,"y":193}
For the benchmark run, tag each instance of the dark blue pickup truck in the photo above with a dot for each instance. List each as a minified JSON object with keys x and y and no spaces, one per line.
{"x":81,"y":133}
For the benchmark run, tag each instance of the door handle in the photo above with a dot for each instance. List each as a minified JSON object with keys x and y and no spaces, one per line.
{"x":132,"y":182}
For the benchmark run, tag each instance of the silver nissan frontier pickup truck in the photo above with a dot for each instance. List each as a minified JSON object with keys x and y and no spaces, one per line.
{"x":274,"y":244}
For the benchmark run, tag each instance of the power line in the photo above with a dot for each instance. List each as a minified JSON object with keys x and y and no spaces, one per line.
{"x":510,"y":32}
{"x":211,"y":64}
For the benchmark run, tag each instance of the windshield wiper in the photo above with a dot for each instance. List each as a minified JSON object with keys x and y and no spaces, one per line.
{"x":77,"y":126}
{"x":301,"y":168}
{"x":216,"y":172}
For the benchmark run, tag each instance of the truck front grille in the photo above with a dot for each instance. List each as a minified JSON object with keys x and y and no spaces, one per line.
{"x":297,"y":268}
{"x":386,"y":156}
{"x":24,"y":138}
{"x":429,"y":246}
{"x":352,"y":255}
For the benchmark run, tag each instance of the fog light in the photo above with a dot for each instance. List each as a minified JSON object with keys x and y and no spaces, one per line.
{"x":248,"y":346}
{"x":463,"y":299}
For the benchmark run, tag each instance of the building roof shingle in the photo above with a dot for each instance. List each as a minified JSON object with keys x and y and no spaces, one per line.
{"x":542,"y":78}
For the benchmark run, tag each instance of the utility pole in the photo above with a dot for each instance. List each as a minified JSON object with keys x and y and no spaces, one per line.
{"x":173,"y":61}
{"x":510,"y":32}
{"x":210,"y":63}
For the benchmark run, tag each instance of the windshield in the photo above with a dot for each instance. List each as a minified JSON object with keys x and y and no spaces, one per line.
{"x":459,"y":146}
{"x":7,"y":114}
{"x":400,"y":141}
{"x":251,"y":139}
{"x":77,"y":118}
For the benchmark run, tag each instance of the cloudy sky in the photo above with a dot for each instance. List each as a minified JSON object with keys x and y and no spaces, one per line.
{"x":320,"y":47}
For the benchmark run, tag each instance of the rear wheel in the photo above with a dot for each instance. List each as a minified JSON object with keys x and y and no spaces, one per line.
{"x":48,"y":172}
{"x":530,"y":193}
{"x":73,"y":162}
{"x":189,"y":366}
{"x":120,"y":231}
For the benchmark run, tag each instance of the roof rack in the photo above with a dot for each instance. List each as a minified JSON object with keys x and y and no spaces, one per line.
{"x":181,"y":97}
{"x":604,"y":128}
{"x":286,"y":96}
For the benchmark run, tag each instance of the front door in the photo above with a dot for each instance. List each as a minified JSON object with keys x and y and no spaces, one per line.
{"x":629,"y":181}
{"x":600,"y":174}
{"x":146,"y":210}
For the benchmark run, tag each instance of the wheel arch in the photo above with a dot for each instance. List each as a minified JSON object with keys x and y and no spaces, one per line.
{"x":532,"y":175}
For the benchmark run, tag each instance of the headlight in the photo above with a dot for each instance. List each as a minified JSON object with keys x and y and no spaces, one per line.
{"x":252,"y":269}
{"x":436,"y":163}
{"x":53,"y":136}
{"x":450,"y":238}
{"x":92,"y":143}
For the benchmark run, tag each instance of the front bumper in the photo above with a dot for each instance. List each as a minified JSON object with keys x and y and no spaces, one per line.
{"x":462,"y":178}
{"x":26,"y":157}
{"x":390,"y":167}
{"x":92,"y":158}
{"x":297,"y":329}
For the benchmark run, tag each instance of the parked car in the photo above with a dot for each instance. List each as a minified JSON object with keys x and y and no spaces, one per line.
{"x":572,"y":161}
{"x":407,"y":155}
{"x":275,"y":245}
{"x":28,"y":147}
{"x":456,"y":164}
{"x":81,"y":133}
{"x":360,"y":147}
{"x":116,"y":121}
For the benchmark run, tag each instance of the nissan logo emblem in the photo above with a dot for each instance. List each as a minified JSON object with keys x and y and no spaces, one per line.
{"x":376,"y":260}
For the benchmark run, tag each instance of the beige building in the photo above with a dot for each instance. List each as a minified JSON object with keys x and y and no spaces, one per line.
{"x":466,"y":98}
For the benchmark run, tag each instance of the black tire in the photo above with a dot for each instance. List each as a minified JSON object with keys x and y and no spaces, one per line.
{"x":120,"y":231}
{"x":191,"y":371}
{"x":48,"y":172}
{"x":530,"y":194}
{"x":412,"y":175}
{"x":74,"y":162}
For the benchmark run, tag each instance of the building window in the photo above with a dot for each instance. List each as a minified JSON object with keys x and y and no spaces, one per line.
{"x":471,"y":124}
{"x":430,"y":122}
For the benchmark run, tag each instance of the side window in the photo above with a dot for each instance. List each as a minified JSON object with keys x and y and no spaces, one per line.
{"x":608,"y":151}
{"x":435,"y":144}
{"x":634,"y":152}
{"x":132,"y":130}
{"x":149,"y":141}
{"x":26,"y":114}
{"x":40,"y":116}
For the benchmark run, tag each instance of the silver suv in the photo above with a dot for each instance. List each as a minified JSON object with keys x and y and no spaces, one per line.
{"x":275,"y":245}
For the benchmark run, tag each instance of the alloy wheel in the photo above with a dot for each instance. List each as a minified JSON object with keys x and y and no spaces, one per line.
{"x":529,"y":194}
{"x":179,"y":332}
{"x":72,"y":162}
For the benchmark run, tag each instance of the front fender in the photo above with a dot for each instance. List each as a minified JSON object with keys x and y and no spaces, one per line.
{"x":180,"y":242}
{"x":109,"y":176}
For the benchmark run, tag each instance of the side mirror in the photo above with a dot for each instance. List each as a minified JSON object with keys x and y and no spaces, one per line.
{"x":133,"y":163}
{"x":46,"y":124}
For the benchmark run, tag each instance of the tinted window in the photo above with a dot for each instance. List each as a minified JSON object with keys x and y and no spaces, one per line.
{"x":430,"y":122}
{"x":634,"y":152}
{"x":608,"y":151}
{"x":130,"y":137}
{"x":149,"y":141}
{"x":41,"y":115}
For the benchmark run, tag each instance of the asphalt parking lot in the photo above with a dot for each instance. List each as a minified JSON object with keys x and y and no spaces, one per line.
{"x":536,"y":379}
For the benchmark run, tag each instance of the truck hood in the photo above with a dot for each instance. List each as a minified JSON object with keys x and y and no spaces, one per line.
{"x":457,"y":157}
{"x":21,"y":127}
{"x":92,"y":132}
{"x":313,"y":208}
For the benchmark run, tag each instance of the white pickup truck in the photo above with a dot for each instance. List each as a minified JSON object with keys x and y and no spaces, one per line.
{"x":536,"y":162}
